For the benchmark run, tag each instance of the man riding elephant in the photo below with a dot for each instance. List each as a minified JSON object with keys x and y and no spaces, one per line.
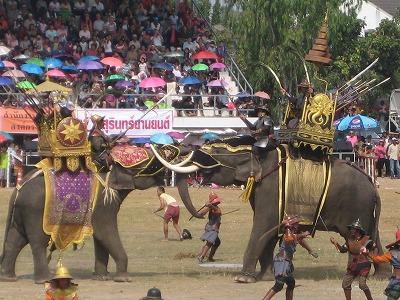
{"x":100,"y":143}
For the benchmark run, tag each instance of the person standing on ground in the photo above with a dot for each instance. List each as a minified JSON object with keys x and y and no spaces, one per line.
{"x":211,"y":231}
{"x":171,"y":207}
{"x":283,"y":265}
{"x":380,"y":153}
{"x":393,"y":154}
{"x":358,"y":264}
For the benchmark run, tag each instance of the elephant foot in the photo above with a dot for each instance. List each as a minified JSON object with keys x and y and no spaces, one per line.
{"x":267,"y":276}
{"x":4,"y":278}
{"x":101,"y":277}
{"x":122,"y":277}
{"x":245,"y":278}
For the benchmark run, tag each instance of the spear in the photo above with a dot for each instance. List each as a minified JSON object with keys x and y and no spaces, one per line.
{"x":359,"y":74}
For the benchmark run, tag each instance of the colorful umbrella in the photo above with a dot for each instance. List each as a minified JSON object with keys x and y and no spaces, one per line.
{"x":152,"y":82}
{"x":176,"y":135}
{"x":211,"y":136}
{"x":2,"y":66}
{"x":161,"y":139}
{"x":35,"y":61}
{"x":32,"y":69}
{"x":217,"y":66}
{"x":5,"y":81}
{"x":90,"y":65}
{"x":49,"y":86}
{"x":149,"y":104}
{"x":141,"y":140}
{"x":164,"y":66}
{"x":4,"y":50}
{"x":216,"y":83}
{"x":205,"y":55}
{"x":174,"y":54}
{"x":355,"y":123}
{"x":189,"y":80}
{"x":243,"y":95}
{"x":21,"y":57}
{"x":62,"y":55}
{"x":9,"y":64}
{"x":87,"y":58}
{"x":115,"y":77}
{"x":52,"y":63}
{"x":14,"y":73}
{"x":200,"y":67}
{"x":112,"y":62}
{"x":69,"y":69}
{"x":2,"y":139}
{"x":55,"y":73}
{"x":263,"y":95}
{"x":26,"y":85}
{"x":7,"y":135}
{"x":124,"y":84}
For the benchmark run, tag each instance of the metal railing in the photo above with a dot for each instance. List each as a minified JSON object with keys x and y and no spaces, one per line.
{"x":232,"y":66}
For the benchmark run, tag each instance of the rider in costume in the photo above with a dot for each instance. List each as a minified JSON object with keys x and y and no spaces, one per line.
{"x":261,"y":129}
{"x":210,"y":235}
{"x":358,"y":263}
{"x":283,"y":265}
{"x":100,"y":143}
{"x":392,"y":291}
{"x":61,"y":286}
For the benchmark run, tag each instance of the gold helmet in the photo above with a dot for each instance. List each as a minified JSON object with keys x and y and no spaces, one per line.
{"x":97,"y":118}
{"x":62,"y":273}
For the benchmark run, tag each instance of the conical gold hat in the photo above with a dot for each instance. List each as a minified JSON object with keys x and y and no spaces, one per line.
{"x":62,"y":273}
{"x":97,"y":118}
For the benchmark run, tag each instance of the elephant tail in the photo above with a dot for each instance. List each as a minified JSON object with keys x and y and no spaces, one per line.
{"x":377,"y":214}
{"x":10,"y":216}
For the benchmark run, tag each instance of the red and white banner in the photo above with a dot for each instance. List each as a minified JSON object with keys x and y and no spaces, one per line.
{"x":119,"y":120}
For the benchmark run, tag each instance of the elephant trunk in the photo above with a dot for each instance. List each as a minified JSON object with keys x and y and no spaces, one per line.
{"x":185,"y":196}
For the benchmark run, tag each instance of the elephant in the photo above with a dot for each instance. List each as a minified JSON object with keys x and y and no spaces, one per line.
{"x":25,"y":219}
{"x":351,"y":192}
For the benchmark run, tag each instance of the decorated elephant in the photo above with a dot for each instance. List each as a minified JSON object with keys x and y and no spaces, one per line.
{"x":349,"y":195}
{"x":26,"y":213}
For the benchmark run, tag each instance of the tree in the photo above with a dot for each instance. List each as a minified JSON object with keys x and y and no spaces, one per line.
{"x":216,"y":13}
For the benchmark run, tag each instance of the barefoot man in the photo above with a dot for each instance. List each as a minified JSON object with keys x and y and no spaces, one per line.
{"x":171,"y":207}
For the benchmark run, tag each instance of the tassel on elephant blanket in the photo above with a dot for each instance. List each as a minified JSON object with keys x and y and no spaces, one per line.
{"x":245,"y":196}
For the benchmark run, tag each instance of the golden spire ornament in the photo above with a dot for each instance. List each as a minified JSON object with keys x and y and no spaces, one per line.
{"x":319,"y":54}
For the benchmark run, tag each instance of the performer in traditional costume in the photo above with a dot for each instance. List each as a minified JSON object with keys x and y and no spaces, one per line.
{"x":261,"y":129}
{"x":392,"y":291}
{"x":61,"y":286}
{"x":100,"y":144}
{"x":306,"y":90}
{"x":283,"y":265}
{"x":211,"y":230}
{"x":358,"y":263}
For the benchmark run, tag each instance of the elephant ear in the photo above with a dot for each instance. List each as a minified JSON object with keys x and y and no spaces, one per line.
{"x":120,"y":178}
{"x":246,"y":169}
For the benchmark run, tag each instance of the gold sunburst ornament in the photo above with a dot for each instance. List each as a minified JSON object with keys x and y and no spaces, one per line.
{"x":71,"y":132}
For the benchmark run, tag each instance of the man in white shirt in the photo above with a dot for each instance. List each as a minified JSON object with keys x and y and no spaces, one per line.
{"x":98,"y":24}
{"x":85,"y":32}
{"x":393,"y":154}
{"x":171,"y":207}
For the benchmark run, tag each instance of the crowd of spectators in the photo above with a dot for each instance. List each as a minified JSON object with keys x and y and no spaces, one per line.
{"x":141,"y":33}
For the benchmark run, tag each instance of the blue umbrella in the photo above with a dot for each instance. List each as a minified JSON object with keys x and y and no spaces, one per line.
{"x":141,"y":140}
{"x":124,"y":84}
{"x":52,"y":63}
{"x":1,"y":65}
{"x":87,"y":58}
{"x":90,"y":65}
{"x":211,"y":136}
{"x":69,"y":69}
{"x":164,"y":66}
{"x":7,"y":135}
{"x":5,"y":81}
{"x":32,"y":69}
{"x":355,"y":123}
{"x":162,"y":139}
{"x":242,"y":95}
{"x":189,"y":80}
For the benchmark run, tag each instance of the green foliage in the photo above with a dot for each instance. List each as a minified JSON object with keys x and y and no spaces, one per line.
{"x":205,"y":7}
{"x":217,"y":13}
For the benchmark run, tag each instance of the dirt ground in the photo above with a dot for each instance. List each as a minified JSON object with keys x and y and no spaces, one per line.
{"x":170,"y":266}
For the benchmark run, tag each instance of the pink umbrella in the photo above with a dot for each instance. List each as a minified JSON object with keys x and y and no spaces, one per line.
{"x":152,"y":82}
{"x":216,"y":83}
{"x":112,"y":62}
{"x":55,"y":73}
{"x":263,"y":95}
{"x":9,"y":64}
{"x":14,"y":73}
{"x":217,"y":66}
{"x":176,"y":135}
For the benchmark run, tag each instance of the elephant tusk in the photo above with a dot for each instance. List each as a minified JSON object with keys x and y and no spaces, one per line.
{"x":178,"y":169}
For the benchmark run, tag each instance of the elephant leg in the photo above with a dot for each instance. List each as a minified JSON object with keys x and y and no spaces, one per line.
{"x":101,"y":262}
{"x":111,"y":241}
{"x":40,"y":266}
{"x":257,"y":243}
{"x":266,"y":261}
{"x":14,"y":243}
